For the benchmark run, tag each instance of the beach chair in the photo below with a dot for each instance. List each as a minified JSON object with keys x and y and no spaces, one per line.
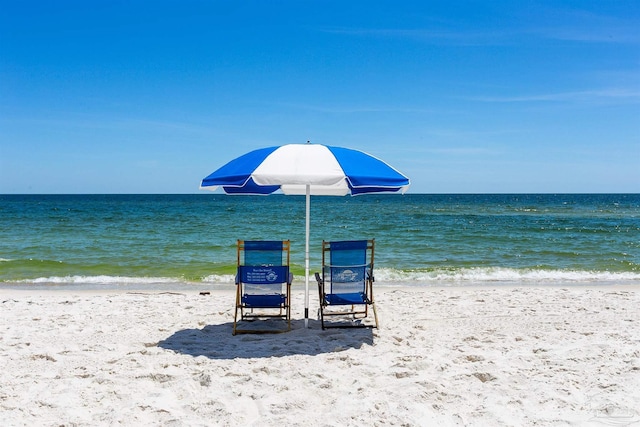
{"x":345,"y":285}
{"x":263,"y":287}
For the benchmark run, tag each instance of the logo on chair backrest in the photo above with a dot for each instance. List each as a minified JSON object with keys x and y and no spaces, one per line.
{"x":346,"y":276}
{"x":271,"y":276}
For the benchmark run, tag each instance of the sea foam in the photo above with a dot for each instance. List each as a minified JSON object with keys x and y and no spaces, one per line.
{"x":383,"y":276}
{"x":488,"y":275}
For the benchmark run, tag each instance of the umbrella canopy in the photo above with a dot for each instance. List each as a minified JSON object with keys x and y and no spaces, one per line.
{"x":309,"y":169}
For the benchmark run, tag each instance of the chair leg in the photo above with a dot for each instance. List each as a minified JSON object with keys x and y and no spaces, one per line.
{"x":235,"y":316}
{"x":235,"y":320}
{"x":321,"y":316}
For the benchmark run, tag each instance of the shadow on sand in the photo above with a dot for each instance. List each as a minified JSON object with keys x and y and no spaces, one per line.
{"x":217,"y":341}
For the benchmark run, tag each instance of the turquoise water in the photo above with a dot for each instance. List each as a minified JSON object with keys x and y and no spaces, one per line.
{"x":115,"y":240}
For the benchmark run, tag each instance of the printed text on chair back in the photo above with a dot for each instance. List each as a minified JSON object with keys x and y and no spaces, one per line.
{"x":264,"y":274}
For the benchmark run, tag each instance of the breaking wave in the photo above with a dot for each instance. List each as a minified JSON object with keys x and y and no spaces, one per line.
{"x":488,"y":275}
{"x":485,"y":276}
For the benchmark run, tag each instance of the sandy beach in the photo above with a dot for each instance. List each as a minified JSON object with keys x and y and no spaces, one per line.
{"x":442,"y":356}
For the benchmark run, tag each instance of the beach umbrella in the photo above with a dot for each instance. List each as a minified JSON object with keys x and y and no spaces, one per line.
{"x":309,"y":169}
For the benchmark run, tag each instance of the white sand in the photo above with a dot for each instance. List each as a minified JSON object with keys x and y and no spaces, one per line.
{"x":442,"y":356}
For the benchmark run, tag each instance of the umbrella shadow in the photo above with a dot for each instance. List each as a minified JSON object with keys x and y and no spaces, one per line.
{"x":217,"y":341}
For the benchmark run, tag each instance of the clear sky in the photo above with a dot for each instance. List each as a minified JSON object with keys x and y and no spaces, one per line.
{"x":463,"y":97}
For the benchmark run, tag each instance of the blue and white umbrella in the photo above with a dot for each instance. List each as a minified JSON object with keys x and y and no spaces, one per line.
{"x":309,"y":169}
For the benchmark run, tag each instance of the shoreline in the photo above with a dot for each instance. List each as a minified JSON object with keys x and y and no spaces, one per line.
{"x":297,"y":287}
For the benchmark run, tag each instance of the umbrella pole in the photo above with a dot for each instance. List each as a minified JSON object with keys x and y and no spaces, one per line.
{"x":306,"y":260}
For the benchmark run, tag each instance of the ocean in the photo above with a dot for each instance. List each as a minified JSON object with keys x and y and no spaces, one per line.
{"x":165,"y":241}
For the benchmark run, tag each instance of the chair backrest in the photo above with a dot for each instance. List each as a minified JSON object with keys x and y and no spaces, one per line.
{"x":263,"y":266}
{"x":348,"y":267}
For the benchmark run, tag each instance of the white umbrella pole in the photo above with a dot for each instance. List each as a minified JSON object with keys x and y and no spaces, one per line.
{"x":306,"y":260}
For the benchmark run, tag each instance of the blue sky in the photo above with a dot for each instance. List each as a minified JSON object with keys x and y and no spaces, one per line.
{"x":463,"y":97}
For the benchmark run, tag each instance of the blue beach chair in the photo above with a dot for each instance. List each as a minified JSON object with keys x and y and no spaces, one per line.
{"x":263,"y":290}
{"x":345,"y":286}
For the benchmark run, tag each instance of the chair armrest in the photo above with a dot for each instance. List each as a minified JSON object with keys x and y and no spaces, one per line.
{"x":319,"y":279}
{"x":290,"y":279}
{"x":370,"y":275}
